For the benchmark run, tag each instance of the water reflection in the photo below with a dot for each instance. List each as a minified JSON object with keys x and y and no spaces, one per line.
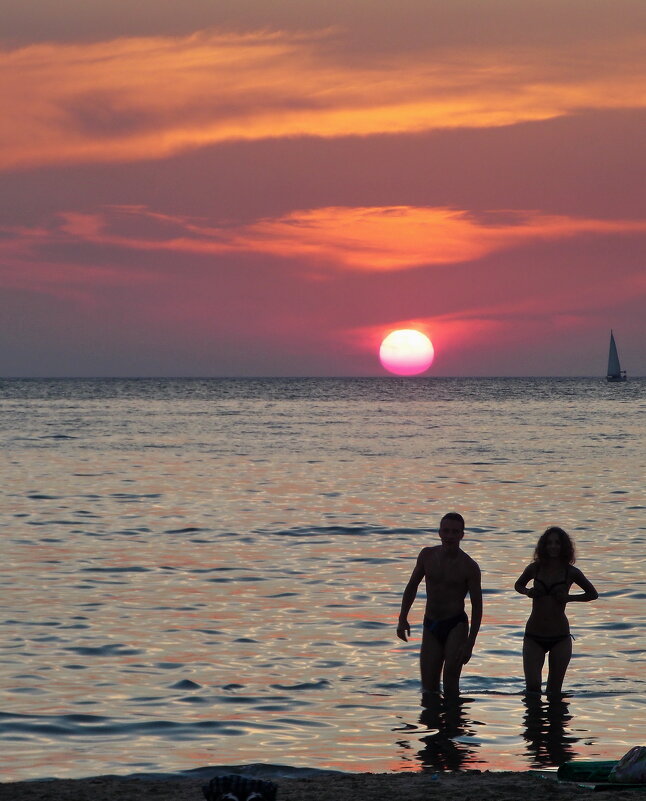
{"x":446,"y":749}
{"x":547,"y":744}
{"x":225,"y":531}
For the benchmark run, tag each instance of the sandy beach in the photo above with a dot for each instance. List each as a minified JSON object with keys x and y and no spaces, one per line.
{"x":483,"y":786}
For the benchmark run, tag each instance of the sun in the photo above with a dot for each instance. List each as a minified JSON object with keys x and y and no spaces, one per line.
{"x":406,"y":352}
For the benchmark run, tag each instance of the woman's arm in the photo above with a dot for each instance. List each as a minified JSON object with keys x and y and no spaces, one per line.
{"x":589,"y":593}
{"x":526,"y":576}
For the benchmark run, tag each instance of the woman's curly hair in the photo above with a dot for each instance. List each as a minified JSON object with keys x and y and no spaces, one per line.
{"x":566,"y":555}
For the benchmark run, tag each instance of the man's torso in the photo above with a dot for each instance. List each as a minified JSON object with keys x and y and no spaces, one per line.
{"x":447,"y":581}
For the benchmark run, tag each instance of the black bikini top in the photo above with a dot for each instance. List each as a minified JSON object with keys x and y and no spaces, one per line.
{"x":548,"y":589}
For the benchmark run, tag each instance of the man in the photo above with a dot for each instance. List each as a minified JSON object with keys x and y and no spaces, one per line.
{"x":448,"y":640}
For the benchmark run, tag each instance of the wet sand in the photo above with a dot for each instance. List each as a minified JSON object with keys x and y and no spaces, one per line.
{"x":485,"y":786}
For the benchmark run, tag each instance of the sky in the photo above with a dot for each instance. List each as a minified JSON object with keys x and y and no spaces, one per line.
{"x":253,"y":188}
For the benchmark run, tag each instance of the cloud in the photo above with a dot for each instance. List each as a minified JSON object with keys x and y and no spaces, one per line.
{"x":501,"y":322}
{"x":366,"y":239}
{"x":402,"y":237}
{"x":147,"y":98}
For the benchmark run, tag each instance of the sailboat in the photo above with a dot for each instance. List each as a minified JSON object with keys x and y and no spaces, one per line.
{"x":615,"y":373}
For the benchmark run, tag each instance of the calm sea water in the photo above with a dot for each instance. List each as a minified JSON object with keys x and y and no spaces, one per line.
{"x":209,"y":572}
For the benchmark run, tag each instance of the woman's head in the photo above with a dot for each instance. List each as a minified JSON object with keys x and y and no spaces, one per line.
{"x":555,"y":543}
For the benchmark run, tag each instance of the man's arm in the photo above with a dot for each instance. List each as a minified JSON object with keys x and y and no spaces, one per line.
{"x":474,"y":586}
{"x":410,"y":592}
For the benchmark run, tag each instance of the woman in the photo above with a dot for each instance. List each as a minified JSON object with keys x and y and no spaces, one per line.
{"x":548,"y":630}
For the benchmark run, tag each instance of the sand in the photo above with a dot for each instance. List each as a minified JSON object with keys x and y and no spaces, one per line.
{"x":485,"y":786}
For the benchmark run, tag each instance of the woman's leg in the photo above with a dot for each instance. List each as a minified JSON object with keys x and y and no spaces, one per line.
{"x":558,"y":661}
{"x":533,"y":659}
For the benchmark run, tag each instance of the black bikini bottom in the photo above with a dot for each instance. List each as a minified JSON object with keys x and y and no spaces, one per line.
{"x":441,"y":629}
{"x":547,"y":643}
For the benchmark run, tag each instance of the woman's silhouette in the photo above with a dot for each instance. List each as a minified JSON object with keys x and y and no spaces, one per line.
{"x":548,"y":629}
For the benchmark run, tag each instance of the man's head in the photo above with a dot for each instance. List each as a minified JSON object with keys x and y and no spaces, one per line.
{"x":451,"y":529}
{"x":456,"y":516}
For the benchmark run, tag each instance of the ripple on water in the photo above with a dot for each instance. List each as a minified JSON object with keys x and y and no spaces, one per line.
{"x":257,"y":577}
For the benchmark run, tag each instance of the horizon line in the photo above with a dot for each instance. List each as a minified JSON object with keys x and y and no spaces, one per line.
{"x":285,"y":377}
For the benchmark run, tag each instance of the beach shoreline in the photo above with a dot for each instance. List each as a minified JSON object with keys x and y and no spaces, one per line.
{"x":327,"y":786}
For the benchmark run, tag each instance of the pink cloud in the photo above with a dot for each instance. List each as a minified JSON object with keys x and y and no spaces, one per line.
{"x":372,"y":239}
{"x":150,"y":97}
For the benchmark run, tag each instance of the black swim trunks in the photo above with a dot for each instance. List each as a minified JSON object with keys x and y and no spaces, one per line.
{"x":441,"y":629}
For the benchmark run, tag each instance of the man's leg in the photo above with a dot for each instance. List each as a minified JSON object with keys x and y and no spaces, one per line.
{"x":453,"y":655}
{"x":559,"y":659}
{"x":431,"y":658}
{"x":533,"y":659}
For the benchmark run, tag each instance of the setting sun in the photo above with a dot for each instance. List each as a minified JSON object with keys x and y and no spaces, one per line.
{"x":406,"y":352}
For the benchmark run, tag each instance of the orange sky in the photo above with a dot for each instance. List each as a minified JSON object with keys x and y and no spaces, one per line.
{"x":269,"y":190}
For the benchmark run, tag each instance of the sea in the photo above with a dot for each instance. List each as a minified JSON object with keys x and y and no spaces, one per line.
{"x":201,"y":573}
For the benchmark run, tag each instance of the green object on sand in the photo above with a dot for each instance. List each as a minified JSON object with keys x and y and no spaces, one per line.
{"x":594,"y":775}
{"x":586,"y":770}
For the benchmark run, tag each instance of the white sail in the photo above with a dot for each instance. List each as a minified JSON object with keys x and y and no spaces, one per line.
{"x":615,"y":373}
{"x":614,"y":368}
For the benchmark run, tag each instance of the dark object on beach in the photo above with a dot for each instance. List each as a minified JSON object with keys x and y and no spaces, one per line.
{"x":595,"y":775}
{"x":233,"y":787}
{"x":585,"y":770}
